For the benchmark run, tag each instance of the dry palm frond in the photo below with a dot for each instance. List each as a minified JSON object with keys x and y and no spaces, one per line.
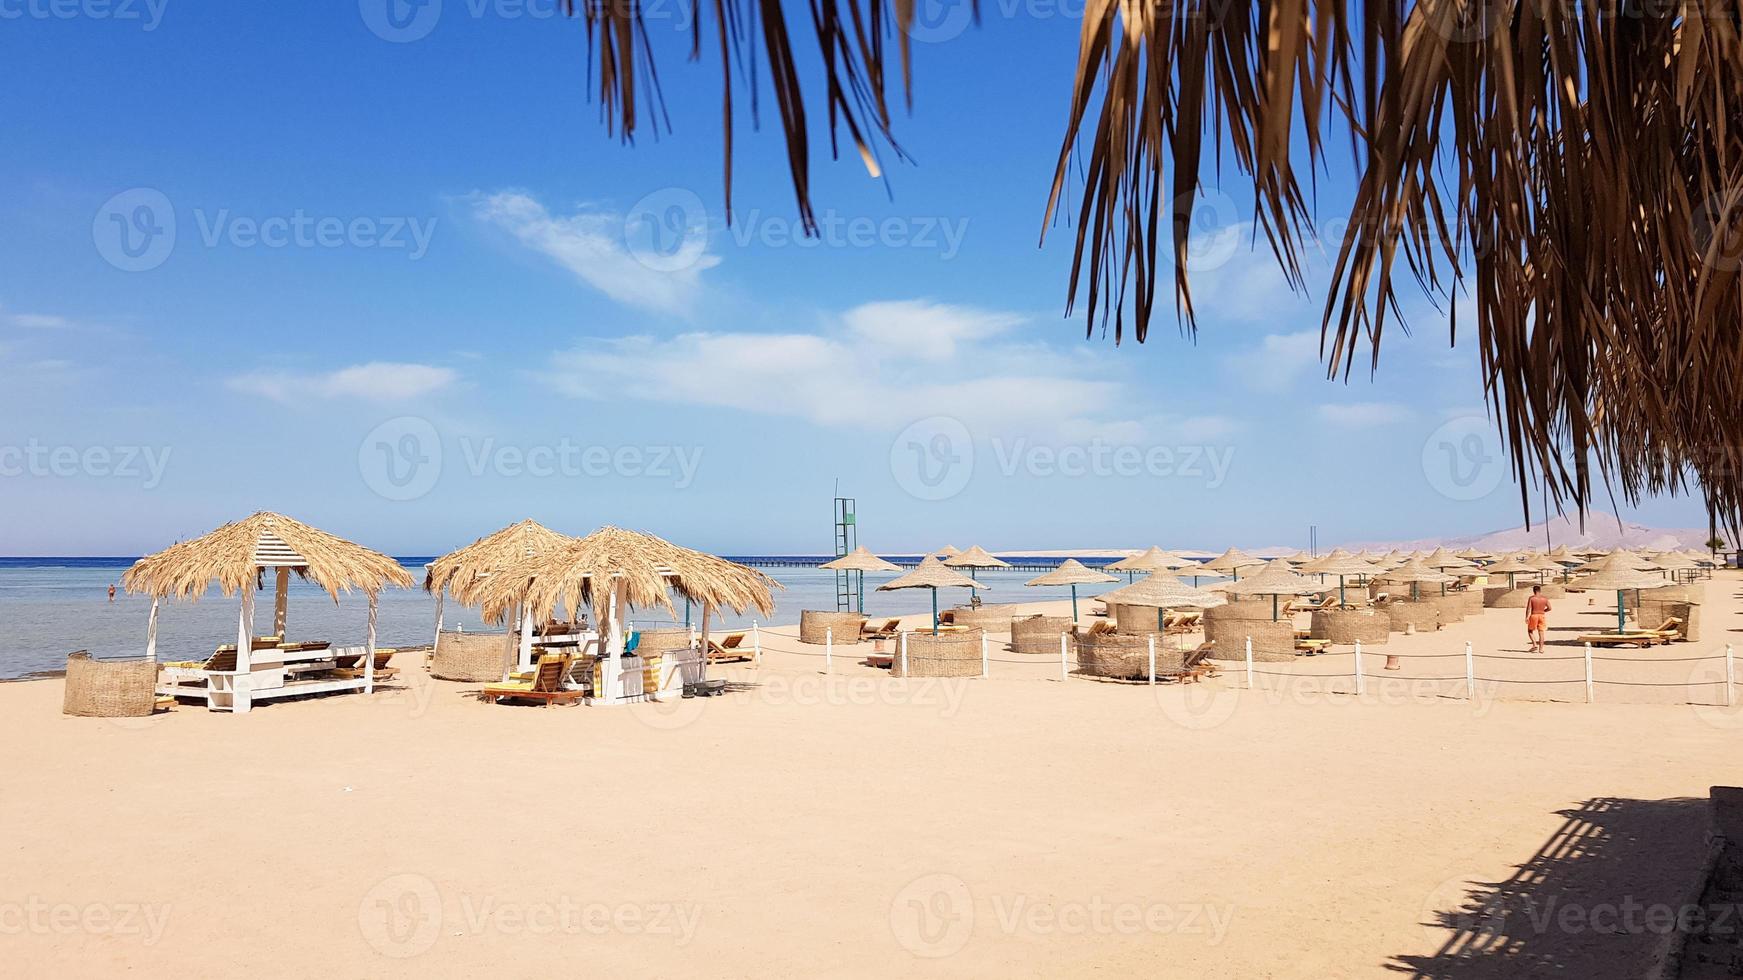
{"x":647,"y":568}
{"x":231,"y":555}
{"x":461,"y":572}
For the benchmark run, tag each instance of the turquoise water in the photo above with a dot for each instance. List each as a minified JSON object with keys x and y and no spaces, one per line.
{"x":50,"y":607}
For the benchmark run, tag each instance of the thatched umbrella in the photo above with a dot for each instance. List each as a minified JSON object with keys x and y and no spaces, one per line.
{"x":1341,"y":565}
{"x":611,"y":568}
{"x":931,"y":574}
{"x":1163,"y":591}
{"x":1073,"y":573}
{"x":1414,"y":573}
{"x":461,"y":573}
{"x":1619,"y":558}
{"x":973,"y":558}
{"x":1673,"y":562}
{"x":1231,"y":562}
{"x":860,"y":560}
{"x":1444,"y":561}
{"x":1275,"y":580}
{"x":1475,"y":555}
{"x":236,"y":555}
{"x":1511,"y":566}
{"x":947,"y":551}
{"x":1152,"y":560}
{"x":1618,"y":571}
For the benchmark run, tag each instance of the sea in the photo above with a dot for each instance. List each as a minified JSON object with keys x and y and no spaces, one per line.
{"x":50,"y":607}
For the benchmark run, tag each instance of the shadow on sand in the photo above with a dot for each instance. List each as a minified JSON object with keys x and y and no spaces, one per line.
{"x":1590,"y":903}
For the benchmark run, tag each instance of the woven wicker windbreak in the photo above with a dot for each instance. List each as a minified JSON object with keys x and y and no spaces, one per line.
{"x":1351,"y":625}
{"x":1038,"y":634}
{"x":991,"y":618}
{"x":109,"y":689}
{"x":814,"y":626}
{"x":944,"y":655}
{"x":1425,"y":616}
{"x":1451,"y":607}
{"x":1126,"y":656}
{"x":1230,"y":626}
{"x":473,"y":658}
{"x":655,"y":642}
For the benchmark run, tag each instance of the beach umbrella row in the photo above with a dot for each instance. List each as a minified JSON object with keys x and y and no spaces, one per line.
{"x":1073,"y":573}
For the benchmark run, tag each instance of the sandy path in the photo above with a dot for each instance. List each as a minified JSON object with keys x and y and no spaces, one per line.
{"x":856,"y":825}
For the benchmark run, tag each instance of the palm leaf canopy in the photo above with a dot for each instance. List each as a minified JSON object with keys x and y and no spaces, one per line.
{"x":859,"y":560}
{"x":648,"y":568}
{"x":1572,"y":172}
{"x":233,"y":555}
{"x":461,"y":572}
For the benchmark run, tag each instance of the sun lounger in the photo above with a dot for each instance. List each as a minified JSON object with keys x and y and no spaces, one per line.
{"x":887,"y":630}
{"x":1632,"y":638}
{"x":730,"y":647}
{"x":1181,"y":622}
{"x":1297,"y":606}
{"x":1100,"y":627}
{"x":1197,"y":664}
{"x":946,"y":617}
{"x":546,"y":684}
{"x":1312,"y":648}
{"x":352,"y":666}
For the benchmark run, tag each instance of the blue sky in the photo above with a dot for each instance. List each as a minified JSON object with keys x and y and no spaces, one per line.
{"x":415,"y":292}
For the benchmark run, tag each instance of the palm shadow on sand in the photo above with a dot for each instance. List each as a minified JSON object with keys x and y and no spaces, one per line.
{"x":1607,"y":854}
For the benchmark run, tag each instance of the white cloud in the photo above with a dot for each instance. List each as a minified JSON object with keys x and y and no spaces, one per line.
{"x":381,"y":381}
{"x":594,"y":245}
{"x":1278,"y":361}
{"x":38,"y":321}
{"x":873,"y":367}
{"x":1363,"y":415}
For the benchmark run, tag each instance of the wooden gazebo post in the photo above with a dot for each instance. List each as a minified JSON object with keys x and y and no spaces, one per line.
{"x":280,"y":602}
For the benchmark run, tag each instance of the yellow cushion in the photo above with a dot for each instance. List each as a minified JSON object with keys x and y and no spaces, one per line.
{"x":496,"y":688}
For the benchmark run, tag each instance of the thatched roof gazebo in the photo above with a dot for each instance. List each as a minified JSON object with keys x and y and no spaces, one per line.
{"x":931,"y":574}
{"x":1073,"y":573}
{"x":235,"y":557}
{"x":860,"y":560}
{"x":462,"y":573}
{"x":613,"y":568}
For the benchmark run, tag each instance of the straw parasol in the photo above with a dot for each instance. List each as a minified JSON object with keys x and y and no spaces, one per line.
{"x":1630,"y":559}
{"x":1163,"y":591}
{"x":1414,"y":573}
{"x":947,"y":551}
{"x":1231,"y":562}
{"x":1274,"y":580}
{"x":236,"y":555}
{"x":1475,"y":555}
{"x":1152,"y":560}
{"x":973,"y":558}
{"x":1511,"y":566}
{"x":931,"y":574}
{"x":1299,"y":558}
{"x":1341,"y":563}
{"x":1073,"y":573}
{"x":1617,"y":571}
{"x":1444,"y":559}
{"x":860,"y":560}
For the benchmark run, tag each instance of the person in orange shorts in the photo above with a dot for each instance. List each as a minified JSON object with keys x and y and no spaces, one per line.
{"x":1536,"y":618}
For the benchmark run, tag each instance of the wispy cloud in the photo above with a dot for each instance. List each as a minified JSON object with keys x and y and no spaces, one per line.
{"x":38,"y":321}
{"x":380,"y":381}
{"x":1277,"y":361}
{"x":596,"y":246}
{"x":881,"y":365}
{"x":1363,"y":415}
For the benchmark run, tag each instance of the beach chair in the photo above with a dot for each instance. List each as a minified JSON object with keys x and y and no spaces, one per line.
{"x":1197,"y":663}
{"x":884,"y":631}
{"x":546,"y":684}
{"x":730,"y":647}
{"x":1631,"y":638}
{"x":1181,"y":622}
{"x":1670,"y":629}
{"x":352,"y":666}
{"x":1311,"y":605}
{"x":1312,"y":648}
{"x":1100,"y":627}
{"x":947,"y":617}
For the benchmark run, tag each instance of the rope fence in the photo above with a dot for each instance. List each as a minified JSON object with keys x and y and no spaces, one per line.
{"x":1068,"y":664}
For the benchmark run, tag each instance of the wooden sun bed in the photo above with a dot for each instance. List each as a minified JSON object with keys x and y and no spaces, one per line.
{"x":1311,"y":647}
{"x":888,"y":631}
{"x":546,"y":684}
{"x":351,"y":665}
{"x":730,"y":648}
{"x":1670,"y":629}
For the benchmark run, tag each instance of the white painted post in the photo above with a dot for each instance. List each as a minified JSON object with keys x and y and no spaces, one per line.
{"x":440,"y":594}
{"x":241,"y":689}
{"x":1249,"y":663}
{"x":525,"y":655}
{"x":280,"y":603}
{"x":985,"y":658}
{"x":1588,"y":673}
{"x":756,"y":642}
{"x":151,"y":633}
{"x":904,"y":653}
{"x":828,"y":648}
{"x":1152,"y":660}
{"x":369,"y":652}
{"x":1470,"y":673}
{"x":1730,"y":679}
{"x":1361,"y":678}
{"x":1064,"y":653}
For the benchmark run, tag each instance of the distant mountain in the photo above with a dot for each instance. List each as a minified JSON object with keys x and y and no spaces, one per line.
{"x":1601,"y":531}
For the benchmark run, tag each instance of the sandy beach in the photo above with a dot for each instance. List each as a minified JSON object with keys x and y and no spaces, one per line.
{"x":850,"y":825}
